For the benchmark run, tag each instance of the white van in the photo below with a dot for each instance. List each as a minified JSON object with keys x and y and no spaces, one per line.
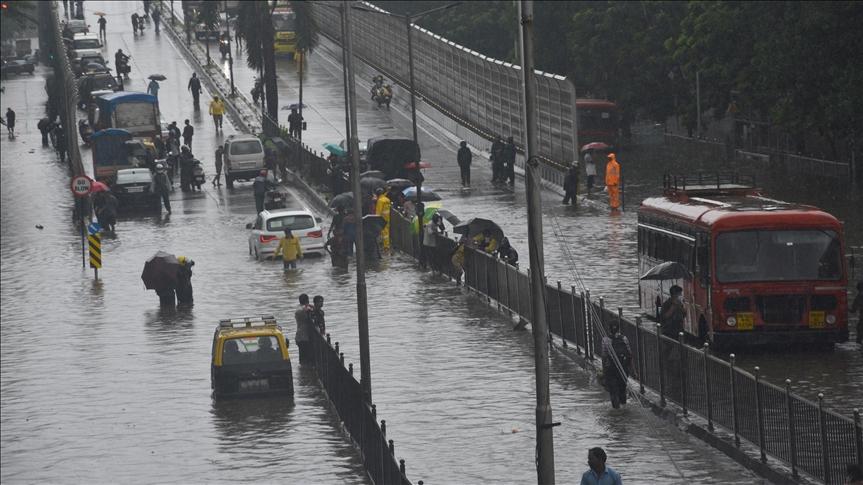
{"x":244,"y":158}
{"x":86,"y":45}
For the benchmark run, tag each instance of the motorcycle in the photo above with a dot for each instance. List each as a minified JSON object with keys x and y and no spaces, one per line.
{"x":382,"y":95}
{"x":85,"y":131}
{"x":273,"y":199}
{"x":123,"y":69}
{"x":198,"y":177}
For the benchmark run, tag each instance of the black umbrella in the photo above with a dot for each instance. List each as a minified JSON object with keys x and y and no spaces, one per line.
{"x":160,"y":271}
{"x":428,"y":194}
{"x":476,"y":226}
{"x":344,"y":200}
{"x":373,"y":173}
{"x":449,"y":217}
{"x":157,"y":77}
{"x":669,"y":270}
{"x":373,"y":223}
{"x":400,"y":184}
{"x":370,"y":184}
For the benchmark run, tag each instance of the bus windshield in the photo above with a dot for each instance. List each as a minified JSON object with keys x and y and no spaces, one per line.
{"x":790,"y":255}
{"x":596,"y":119}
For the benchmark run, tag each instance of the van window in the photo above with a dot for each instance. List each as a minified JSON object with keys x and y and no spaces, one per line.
{"x":248,"y":147}
{"x":290,"y":222}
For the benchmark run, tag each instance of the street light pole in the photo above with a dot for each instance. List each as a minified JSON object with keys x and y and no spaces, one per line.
{"x":362,"y":304}
{"x":419,"y":181}
{"x":345,"y":78}
{"x":544,"y":425}
{"x":230,"y":53}
{"x":698,"y":99}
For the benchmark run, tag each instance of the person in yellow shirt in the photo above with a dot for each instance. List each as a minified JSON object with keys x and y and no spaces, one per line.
{"x":612,"y":181}
{"x":289,"y":248}
{"x":217,"y":109}
{"x":382,"y":208}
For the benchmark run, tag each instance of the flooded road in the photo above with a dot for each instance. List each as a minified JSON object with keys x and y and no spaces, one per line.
{"x":115,"y":389}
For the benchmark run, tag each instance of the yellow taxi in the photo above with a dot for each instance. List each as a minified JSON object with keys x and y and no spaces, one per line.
{"x":250,"y":357}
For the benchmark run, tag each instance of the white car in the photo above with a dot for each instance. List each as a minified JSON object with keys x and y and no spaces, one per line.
{"x":270,"y":226}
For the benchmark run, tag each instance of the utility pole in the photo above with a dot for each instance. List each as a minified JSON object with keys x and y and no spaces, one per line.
{"x":544,"y":425}
{"x":419,"y":178}
{"x":346,"y":81}
{"x":362,"y":304}
{"x":230,"y":52}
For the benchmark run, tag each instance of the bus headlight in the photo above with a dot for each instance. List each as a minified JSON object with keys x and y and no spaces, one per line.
{"x":831,"y":319}
{"x":731,"y":321}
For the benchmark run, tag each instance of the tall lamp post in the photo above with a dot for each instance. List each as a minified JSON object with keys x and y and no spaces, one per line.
{"x":230,"y":52}
{"x":409,"y":20}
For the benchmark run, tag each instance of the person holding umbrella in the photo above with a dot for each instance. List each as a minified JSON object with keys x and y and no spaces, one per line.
{"x":184,"y":281}
{"x":589,"y":169}
{"x":153,"y":88}
{"x":160,"y":274}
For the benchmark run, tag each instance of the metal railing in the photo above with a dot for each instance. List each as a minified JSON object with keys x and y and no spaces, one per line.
{"x":62,"y":88}
{"x":793,"y":430}
{"x":359,"y":417}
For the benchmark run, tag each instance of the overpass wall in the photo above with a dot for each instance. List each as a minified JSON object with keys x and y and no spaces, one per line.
{"x":480,"y":92}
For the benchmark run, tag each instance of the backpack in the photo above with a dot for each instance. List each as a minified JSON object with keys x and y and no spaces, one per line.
{"x":621,"y":350}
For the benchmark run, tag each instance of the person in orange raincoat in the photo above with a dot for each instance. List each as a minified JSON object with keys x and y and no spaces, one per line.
{"x":612,"y":181}
{"x":382,"y":208}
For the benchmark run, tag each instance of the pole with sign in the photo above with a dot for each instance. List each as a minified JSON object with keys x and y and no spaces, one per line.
{"x":95,"y":240}
{"x":81,"y":186}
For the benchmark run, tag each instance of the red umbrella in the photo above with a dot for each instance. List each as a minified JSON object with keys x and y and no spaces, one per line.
{"x":597,"y":145}
{"x":99,"y":187}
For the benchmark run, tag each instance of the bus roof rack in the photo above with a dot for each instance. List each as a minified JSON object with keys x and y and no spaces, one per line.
{"x":257,"y":320}
{"x":705,"y":183}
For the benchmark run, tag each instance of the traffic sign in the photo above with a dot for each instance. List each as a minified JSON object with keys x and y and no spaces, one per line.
{"x":94,"y":227}
{"x":95,"y":240}
{"x":81,"y":185}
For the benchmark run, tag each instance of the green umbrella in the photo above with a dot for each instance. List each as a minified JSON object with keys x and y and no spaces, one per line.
{"x":335,"y":149}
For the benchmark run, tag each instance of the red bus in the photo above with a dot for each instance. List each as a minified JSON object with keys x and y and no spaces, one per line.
{"x":598,"y":120}
{"x":763,"y":271}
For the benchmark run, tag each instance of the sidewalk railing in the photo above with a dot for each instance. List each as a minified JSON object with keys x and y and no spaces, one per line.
{"x":359,"y":417}
{"x":793,"y":430}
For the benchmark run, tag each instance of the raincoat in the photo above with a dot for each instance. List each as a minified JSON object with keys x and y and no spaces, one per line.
{"x":217,"y":107}
{"x":382,"y":208}
{"x":289,"y":248}
{"x":612,"y":181}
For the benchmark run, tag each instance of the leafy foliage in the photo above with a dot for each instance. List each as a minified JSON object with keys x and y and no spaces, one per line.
{"x":15,"y":19}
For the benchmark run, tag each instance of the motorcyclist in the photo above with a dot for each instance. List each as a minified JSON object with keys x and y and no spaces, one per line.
{"x":257,"y":90}
{"x":377,"y":84}
{"x":186,"y":165}
{"x":121,"y":61}
{"x":224,"y":43}
{"x":387,"y":91}
{"x":260,"y":187}
{"x":85,"y":131}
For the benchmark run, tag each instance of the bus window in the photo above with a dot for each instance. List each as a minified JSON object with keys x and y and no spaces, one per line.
{"x":792,"y":255}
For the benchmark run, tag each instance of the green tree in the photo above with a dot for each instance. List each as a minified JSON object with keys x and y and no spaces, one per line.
{"x":15,"y":18}
{"x":209,"y":17}
{"x":307,"y":39}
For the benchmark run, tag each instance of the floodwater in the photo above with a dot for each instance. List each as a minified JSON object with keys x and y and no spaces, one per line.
{"x":98,"y":384}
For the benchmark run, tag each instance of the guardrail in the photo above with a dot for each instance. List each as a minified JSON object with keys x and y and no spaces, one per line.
{"x":358,"y":416}
{"x":63,"y":88}
{"x":791,"y":429}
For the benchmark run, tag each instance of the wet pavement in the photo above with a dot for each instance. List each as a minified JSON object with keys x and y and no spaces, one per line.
{"x":585,"y":246}
{"x":118,"y":389}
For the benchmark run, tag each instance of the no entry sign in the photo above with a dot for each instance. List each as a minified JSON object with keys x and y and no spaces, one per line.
{"x":81,"y":185}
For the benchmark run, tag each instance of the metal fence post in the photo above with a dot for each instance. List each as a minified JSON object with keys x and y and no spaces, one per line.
{"x":506,"y":284}
{"x":640,"y":349}
{"x":682,"y":349}
{"x":559,"y":313}
{"x":822,"y":430}
{"x":588,"y":322}
{"x":858,"y":435}
{"x":734,"y":402}
{"x":759,"y":414}
{"x":707,"y":389}
{"x":661,"y":366}
{"x":792,"y":435}
{"x":517,"y":296}
{"x":574,"y":319}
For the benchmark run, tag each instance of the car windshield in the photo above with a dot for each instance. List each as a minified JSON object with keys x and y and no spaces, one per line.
{"x":249,"y":147}
{"x":251,"y":350}
{"x":284,"y":22}
{"x":792,"y":255}
{"x":293,"y":223}
{"x":87,"y":44}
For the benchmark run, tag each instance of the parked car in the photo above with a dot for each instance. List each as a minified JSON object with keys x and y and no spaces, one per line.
{"x":93,"y":85}
{"x":17,"y":66}
{"x":134,"y":187}
{"x":76,"y":26}
{"x":244,"y":158}
{"x":250,"y":358}
{"x":86,"y":45}
{"x":90,"y":64}
{"x":270,"y":225}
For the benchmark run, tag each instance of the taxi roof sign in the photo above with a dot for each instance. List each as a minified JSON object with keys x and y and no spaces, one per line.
{"x":248,"y":321}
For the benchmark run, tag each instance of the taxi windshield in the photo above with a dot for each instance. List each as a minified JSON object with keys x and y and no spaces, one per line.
{"x":251,"y":350}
